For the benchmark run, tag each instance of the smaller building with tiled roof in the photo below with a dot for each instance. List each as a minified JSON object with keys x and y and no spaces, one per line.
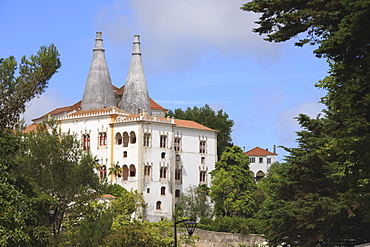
{"x":260,"y":161}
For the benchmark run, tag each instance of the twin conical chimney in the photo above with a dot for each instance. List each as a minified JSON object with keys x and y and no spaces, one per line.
{"x":98,"y":89}
{"x":135,"y":98}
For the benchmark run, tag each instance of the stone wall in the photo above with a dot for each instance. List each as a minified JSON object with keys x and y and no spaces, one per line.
{"x":224,"y":239}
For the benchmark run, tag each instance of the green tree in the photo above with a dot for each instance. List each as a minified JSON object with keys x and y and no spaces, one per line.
{"x":232,"y":184}
{"x":195,"y":203}
{"x":55,"y":162}
{"x":208,"y":117}
{"x":340,"y":30}
{"x":33,"y":75}
{"x":23,"y":208}
{"x":115,"y":169}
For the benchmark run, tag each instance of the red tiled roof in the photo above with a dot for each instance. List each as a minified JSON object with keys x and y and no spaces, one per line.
{"x":155,"y":106}
{"x":75,"y":107}
{"x":29,"y":128}
{"x":257,"y":151}
{"x":191,"y":125}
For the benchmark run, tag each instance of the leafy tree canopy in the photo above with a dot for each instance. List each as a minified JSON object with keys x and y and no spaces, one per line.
{"x":332,"y":150}
{"x":23,"y":207}
{"x":54,"y":161}
{"x":208,"y":117}
{"x":232,"y":184}
{"x":33,"y":75}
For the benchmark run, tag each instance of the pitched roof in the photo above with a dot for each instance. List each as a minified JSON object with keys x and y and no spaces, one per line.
{"x":257,"y":151}
{"x":75,"y":107}
{"x":191,"y":125}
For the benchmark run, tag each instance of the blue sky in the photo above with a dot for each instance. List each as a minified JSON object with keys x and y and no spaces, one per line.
{"x":194,"y":53}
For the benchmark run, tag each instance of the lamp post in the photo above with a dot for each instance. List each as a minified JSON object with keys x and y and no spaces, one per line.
{"x":190,"y":227}
{"x":52,"y":213}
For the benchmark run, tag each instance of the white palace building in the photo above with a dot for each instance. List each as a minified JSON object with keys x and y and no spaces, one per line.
{"x":160,"y":157}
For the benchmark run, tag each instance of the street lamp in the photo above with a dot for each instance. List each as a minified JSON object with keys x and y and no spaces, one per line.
{"x":52,"y":212}
{"x":190,"y":227}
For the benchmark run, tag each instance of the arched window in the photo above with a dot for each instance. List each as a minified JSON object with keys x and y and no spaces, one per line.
{"x":125,"y":172}
{"x":132,"y":137}
{"x":125,"y":139}
{"x":177,"y":193}
{"x":252,"y":174}
{"x":118,"y":139}
{"x":124,"y":154}
{"x":85,"y":142}
{"x":259,"y":175}
{"x":203,"y":160}
{"x":132,"y":171}
{"x":102,"y":139}
{"x":163,"y":190}
{"x":177,"y":174}
{"x":158,"y":205}
{"x":163,"y":155}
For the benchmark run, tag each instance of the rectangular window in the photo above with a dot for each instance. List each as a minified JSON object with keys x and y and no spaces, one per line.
{"x":202,"y":147}
{"x":202,"y":176}
{"x":146,"y":140}
{"x":177,"y":174}
{"x":85,"y":142}
{"x":260,"y":160}
{"x":163,"y":141}
{"x":102,"y":139}
{"x":252,"y":160}
{"x":163,"y":172}
{"x":268,"y":160}
{"x":177,"y":144}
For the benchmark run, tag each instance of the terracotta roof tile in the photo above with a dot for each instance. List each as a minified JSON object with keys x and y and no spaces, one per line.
{"x":155,"y":106}
{"x":75,"y":107}
{"x":257,"y":151}
{"x":191,"y":124}
{"x":31,"y":127}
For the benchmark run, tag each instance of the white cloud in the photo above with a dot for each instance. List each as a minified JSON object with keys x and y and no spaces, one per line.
{"x":178,"y":34}
{"x":288,"y":125}
{"x":47,"y":102}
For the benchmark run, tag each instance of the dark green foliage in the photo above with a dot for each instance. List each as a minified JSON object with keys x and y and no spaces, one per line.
{"x":34,"y":74}
{"x":232,"y":185}
{"x":233,"y":225}
{"x":54,"y":162}
{"x":208,"y":117}
{"x":130,"y":236}
{"x":114,"y":190}
{"x":322,"y":193}
{"x":23,"y":207}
